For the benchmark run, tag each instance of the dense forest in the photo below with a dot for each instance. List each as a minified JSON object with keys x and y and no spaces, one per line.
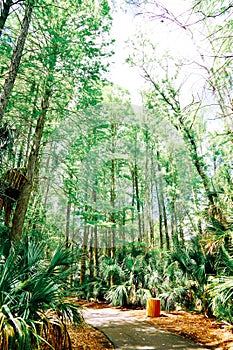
{"x":102,"y":198}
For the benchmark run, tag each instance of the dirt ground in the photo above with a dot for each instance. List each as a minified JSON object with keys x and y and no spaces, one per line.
{"x":206,"y":331}
{"x":88,"y":338}
{"x":196,"y":327}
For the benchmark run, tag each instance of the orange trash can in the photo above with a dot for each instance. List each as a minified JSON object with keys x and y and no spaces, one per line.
{"x":153,"y":307}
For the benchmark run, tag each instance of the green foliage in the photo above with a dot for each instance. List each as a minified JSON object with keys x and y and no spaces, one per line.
{"x":33,"y":290}
{"x":119,"y":295}
{"x":221,"y":291}
{"x":142,"y":294}
{"x":110,"y":269}
{"x":94,"y":288}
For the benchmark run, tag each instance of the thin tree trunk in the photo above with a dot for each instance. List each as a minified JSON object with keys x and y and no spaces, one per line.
{"x":138,"y":202}
{"x":181,"y":231}
{"x":6,"y":5}
{"x":73,"y":226}
{"x":174,"y":235}
{"x":165,"y":220}
{"x":91,"y":256}
{"x":15,"y":61}
{"x":151,"y":219}
{"x":96,"y":257}
{"x":113,"y":192}
{"x":95,"y":238}
{"x":133,"y":186}
{"x":199,"y":224}
{"x":68,"y":210}
{"x":173,"y":208}
{"x":146,"y":211}
{"x":176,"y":221}
{"x":108,"y":242}
{"x":20,"y":155}
{"x":123,"y":232}
{"x":162,"y":202}
{"x":113,"y":242}
{"x":48,"y":177}
{"x":84,"y":254}
{"x":133,"y":199}
{"x":34,"y":91}
{"x":160,"y":215}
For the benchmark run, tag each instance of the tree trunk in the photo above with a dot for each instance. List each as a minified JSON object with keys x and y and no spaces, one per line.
{"x":165,"y":220}
{"x":91,"y":255}
{"x":160,"y":216}
{"x":151,"y":219}
{"x":20,"y":155}
{"x":84,"y":254}
{"x":95,"y":238}
{"x":174,"y":232}
{"x":4,"y":13}
{"x":113,"y":192}
{"x":33,"y":101}
{"x":24,"y":196}
{"x":96,"y":257}
{"x":181,"y":232}
{"x":138,"y":202}
{"x":15,"y":61}
{"x":133,"y":199}
{"x":108,"y":242}
{"x":123,"y":232}
{"x":199,"y":223}
{"x":146,"y":211}
{"x":68,"y":210}
{"x":162,"y":203}
{"x":47,"y":171}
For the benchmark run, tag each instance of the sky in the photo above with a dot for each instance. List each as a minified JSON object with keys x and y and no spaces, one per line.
{"x":124,"y":26}
{"x":165,"y":34}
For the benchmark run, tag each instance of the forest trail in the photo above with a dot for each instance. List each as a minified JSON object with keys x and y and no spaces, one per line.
{"x":129,"y":330}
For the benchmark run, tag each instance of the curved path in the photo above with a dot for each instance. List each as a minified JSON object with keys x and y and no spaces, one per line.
{"x":129,"y":330}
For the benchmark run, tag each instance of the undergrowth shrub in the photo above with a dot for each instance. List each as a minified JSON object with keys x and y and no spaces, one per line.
{"x":34,"y":310}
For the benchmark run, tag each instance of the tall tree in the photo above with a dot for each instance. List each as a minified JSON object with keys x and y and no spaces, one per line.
{"x":58,"y":56}
{"x":15,"y":60}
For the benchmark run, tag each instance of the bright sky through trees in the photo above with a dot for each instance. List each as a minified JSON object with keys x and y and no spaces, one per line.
{"x":128,"y":24}
{"x":121,"y":73}
{"x":177,"y":33}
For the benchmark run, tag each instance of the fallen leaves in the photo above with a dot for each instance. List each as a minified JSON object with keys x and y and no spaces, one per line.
{"x":86,"y":337}
{"x":196,"y":327}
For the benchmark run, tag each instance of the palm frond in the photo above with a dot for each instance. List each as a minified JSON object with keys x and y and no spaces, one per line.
{"x":32,"y":287}
{"x":118,"y":295}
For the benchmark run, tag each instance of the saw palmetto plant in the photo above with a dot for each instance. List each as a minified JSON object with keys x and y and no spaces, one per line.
{"x":33,"y":293}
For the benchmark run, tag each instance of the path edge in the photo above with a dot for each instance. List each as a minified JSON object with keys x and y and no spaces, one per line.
{"x":106,"y":335}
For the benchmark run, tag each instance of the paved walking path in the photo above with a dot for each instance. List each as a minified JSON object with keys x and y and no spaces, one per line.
{"x":129,"y":330}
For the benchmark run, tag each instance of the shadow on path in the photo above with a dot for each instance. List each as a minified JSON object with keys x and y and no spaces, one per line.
{"x":129,"y":330}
